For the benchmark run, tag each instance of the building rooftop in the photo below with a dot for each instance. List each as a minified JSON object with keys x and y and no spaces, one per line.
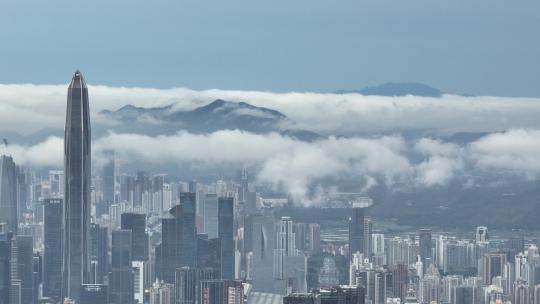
{"x":77,"y":81}
{"x":265,"y":298}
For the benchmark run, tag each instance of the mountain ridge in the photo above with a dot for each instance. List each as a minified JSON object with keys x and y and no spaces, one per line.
{"x":397,"y":89}
{"x":216,"y":115}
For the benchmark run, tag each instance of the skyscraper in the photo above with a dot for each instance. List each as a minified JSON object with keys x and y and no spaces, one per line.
{"x":56,"y":180}
{"x":243,"y":180}
{"x":189,"y":231}
{"x":400,"y":279}
{"x":226,"y":236}
{"x":210,"y":215}
{"x":285,"y":245}
{"x":140,"y":273}
{"x":356,"y":231}
{"x":187,"y":283}
{"x":208,"y":253}
{"x":263,"y":240}
{"x":178,"y":239}
{"x":109,"y":178}
{"x":121,"y":285}
{"x":8,"y":193}
{"x":137,"y":224}
{"x":99,"y":256}
{"x":52,"y":242}
{"x":37,"y":274}
{"x":300,"y":232}
{"x":521,"y":292}
{"x":25,"y":256}
{"x":368,"y":231}
{"x":77,"y":154}
{"x":313,"y":237}
{"x":425,"y":247}
{"x":378,"y":243}
{"x":536,"y":294}
{"x":5,"y":266}
{"x":168,"y":252}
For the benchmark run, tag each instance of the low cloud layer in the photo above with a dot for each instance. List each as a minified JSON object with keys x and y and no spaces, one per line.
{"x":29,"y":108}
{"x":516,"y":151}
{"x":298,"y":167}
{"x":365,"y":156}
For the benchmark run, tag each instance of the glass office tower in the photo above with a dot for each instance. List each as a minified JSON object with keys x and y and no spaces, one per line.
{"x":76,"y":240}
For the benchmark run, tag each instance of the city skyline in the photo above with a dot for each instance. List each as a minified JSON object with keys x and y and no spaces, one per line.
{"x":166,"y":246}
{"x":284,"y":152}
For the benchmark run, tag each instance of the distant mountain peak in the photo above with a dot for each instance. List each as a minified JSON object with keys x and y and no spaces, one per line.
{"x":218,"y":103}
{"x":240,"y":109}
{"x":398,"y":89}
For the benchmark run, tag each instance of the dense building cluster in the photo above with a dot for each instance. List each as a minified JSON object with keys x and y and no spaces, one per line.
{"x":424,"y":267}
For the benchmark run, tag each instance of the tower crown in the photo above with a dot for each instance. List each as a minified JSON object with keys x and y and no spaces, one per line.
{"x":77,"y":81}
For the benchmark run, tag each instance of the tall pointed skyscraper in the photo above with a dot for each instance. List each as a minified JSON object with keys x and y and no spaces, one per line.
{"x":8,"y":193}
{"x":76,"y":264}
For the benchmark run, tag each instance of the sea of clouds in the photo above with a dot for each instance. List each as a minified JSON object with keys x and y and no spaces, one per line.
{"x":362,"y":136}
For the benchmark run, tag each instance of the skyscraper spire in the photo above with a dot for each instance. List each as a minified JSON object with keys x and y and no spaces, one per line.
{"x":77,"y":153}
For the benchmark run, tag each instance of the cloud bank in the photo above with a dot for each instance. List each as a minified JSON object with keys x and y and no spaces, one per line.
{"x":297,"y":167}
{"x":29,"y":108}
{"x":364,"y":137}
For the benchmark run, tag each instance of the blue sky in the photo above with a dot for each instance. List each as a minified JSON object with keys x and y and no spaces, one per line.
{"x":483,"y":47}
